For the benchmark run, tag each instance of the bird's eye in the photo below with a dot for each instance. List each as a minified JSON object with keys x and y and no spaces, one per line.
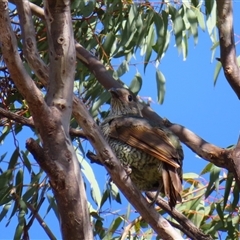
{"x":130,"y":98}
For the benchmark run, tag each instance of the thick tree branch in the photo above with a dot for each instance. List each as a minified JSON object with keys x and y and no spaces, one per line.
{"x":235,"y":157}
{"x":62,"y":56}
{"x":29,"y":41}
{"x":22,"y":80}
{"x":52,"y":122}
{"x":224,"y":158}
{"x":227,"y":44}
{"x":119,"y":176}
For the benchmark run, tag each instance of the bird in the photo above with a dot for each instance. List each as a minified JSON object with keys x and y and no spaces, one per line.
{"x":149,"y":152}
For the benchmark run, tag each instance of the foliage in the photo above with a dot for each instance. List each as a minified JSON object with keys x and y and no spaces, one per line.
{"x":114,"y":29}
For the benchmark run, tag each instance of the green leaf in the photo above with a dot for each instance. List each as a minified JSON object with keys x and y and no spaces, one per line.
{"x":161,"y":24}
{"x":192,"y":18}
{"x":216,"y":72}
{"x":235,"y":196}
{"x":149,"y":43}
{"x":178,"y":26}
{"x":160,"y":86}
{"x":212,"y":18}
{"x":27,"y":163}
{"x":190,"y":176}
{"x":123,"y":68}
{"x":136,"y":83}
{"x":90,"y":176}
{"x":105,"y":196}
{"x":18,"y":231}
{"x":88,"y":9}
{"x":4,"y":133}
{"x":31,"y":191}
{"x":112,"y":229}
{"x":20,"y":226}
{"x":5,"y":178}
{"x":127,"y":215}
{"x":109,"y":45}
{"x":207,"y":169}
{"x":228,"y":186}
{"x":14,"y":159}
{"x":3,"y":156}
{"x":19,"y":182}
{"x":99,"y":228}
{"x":209,"y":6}
{"x":199,"y":215}
{"x":220,"y":212}
{"x":5,"y":210}
{"x":52,"y":205}
{"x":185,"y":47}
{"x":104,"y":97}
{"x":200,"y":19}
{"x":5,"y":196}
{"x":115,"y":192}
{"x":214,"y":180}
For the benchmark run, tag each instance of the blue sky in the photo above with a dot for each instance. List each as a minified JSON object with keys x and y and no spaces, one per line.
{"x":191,"y":100}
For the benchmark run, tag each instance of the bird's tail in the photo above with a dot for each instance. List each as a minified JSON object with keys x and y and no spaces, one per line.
{"x":172,"y":183}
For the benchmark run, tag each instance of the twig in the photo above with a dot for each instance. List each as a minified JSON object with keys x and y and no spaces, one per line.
{"x":41,"y":222}
{"x":38,"y":206}
{"x":129,"y":226}
{"x":15,"y":117}
{"x":93,"y":158}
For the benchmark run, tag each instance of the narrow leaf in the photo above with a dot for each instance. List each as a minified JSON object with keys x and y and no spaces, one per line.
{"x":14,"y":158}
{"x":136,"y":83}
{"x":160,"y":86}
{"x":228,"y":186}
{"x":216,"y":72}
{"x":214,"y":180}
{"x":5,"y":210}
{"x":90,"y":176}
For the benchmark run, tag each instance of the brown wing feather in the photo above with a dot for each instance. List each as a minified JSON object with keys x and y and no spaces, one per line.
{"x":138,"y":133}
{"x":172,"y":185}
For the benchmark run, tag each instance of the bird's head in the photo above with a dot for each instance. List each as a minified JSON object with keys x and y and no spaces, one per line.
{"x":123,"y":102}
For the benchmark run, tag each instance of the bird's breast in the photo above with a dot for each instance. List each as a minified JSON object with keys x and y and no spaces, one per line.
{"x":146,"y":171}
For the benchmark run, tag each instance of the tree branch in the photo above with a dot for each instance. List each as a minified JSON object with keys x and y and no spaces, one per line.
{"x":15,"y":117}
{"x":119,"y":176}
{"x":52,"y":122}
{"x":41,"y":222}
{"x":187,"y":226}
{"x":29,"y":41}
{"x":224,"y":158}
{"x":29,"y":122}
{"x":22,"y":80}
{"x":227,"y":44}
{"x":198,"y":145}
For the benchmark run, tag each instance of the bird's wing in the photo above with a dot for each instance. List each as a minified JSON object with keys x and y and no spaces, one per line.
{"x":139,"y":133}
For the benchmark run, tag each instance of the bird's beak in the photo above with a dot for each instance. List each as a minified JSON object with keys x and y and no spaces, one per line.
{"x":114,"y":92}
